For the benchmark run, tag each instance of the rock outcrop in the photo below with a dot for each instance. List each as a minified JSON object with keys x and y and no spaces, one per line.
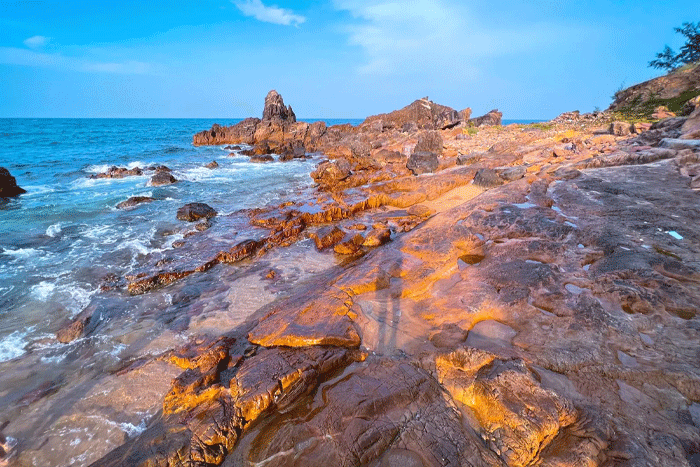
{"x":493,"y":118}
{"x":8,"y":185}
{"x":421,"y":114}
{"x":193,"y":212}
{"x":276,"y":111}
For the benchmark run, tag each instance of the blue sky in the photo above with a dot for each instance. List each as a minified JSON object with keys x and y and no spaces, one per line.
{"x":328,"y":58}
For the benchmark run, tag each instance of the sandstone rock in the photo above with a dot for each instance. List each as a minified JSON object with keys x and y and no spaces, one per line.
{"x":76,"y":328}
{"x":161,"y":178}
{"x":350,"y":245}
{"x":640,"y":127}
{"x":212,"y":165}
{"x":620,"y":128}
{"x":389,"y":156}
{"x":422,"y":163}
{"x":377,"y":237}
{"x":329,"y":173}
{"x":691,"y":127}
{"x":465,"y":114}
{"x":420,"y":210}
{"x":487,"y":178}
{"x":8,"y":185}
{"x":242,"y":132}
{"x":468,"y":159}
{"x":662,"y":112}
{"x":691,"y":105}
{"x":134,"y":201}
{"x":195,"y":211}
{"x":429,"y":141}
{"x":421,"y":114}
{"x":326,"y":237}
{"x":275,"y":109}
{"x":511,"y":173}
{"x":493,"y":118}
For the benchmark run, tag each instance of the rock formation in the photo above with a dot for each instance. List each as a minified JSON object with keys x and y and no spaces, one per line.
{"x":276,"y":111}
{"x":421,"y":114}
{"x":8,"y":185}
{"x":493,"y":118}
{"x":195,"y":211}
{"x":534,"y":301}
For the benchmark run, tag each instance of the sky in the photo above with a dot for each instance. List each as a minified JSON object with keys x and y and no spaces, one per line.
{"x":328,"y":58}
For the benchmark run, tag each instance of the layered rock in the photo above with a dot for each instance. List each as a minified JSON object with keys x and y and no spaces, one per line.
{"x":492,"y":118}
{"x":8,"y":185}
{"x":421,"y":114}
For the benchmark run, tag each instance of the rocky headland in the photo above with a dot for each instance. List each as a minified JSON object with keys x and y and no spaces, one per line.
{"x":507,"y":296}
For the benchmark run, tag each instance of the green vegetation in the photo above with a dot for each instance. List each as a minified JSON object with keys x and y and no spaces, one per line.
{"x":539,"y":126}
{"x":689,"y":53}
{"x":470,"y":130}
{"x":640,"y":111}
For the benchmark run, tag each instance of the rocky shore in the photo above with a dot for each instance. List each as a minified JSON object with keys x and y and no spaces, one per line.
{"x":508,"y":296}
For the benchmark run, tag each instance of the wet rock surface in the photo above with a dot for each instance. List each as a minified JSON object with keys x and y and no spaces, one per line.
{"x":193,"y":212}
{"x":532,"y":302}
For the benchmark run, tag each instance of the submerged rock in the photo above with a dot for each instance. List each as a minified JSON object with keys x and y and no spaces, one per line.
{"x":134,"y":201}
{"x":195,"y":211}
{"x":8,"y":185}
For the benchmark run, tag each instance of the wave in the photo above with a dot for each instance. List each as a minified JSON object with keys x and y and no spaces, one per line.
{"x":53,"y":230}
{"x":21,"y":253}
{"x":72,"y":296}
{"x":101,"y":168}
{"x":14,"y":345}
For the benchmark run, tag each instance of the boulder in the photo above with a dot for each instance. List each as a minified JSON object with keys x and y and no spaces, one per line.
{"x":493,"y":118}
{"x":331,"y":172}
{"x":134,"y":201}
{"x":620,"y":128}
{"x":326,"y":237}
{"x":388,"y":156}
{"x":261,"y":158}
{"x":691,"y":127}
{"x":74,"y":329}
{"x":162,"y":177}
{"x":422,"y":162}
{"x":662,"y":112}
{"x":421,"y":114}
{"x":212,"y":165}
{"x":8,"y":185}
{"x":465,"y":114}
{"x":194,"y":211}
{"x":377,"y":237}
{"x":487,"y":178}
{"x":275,"y":110}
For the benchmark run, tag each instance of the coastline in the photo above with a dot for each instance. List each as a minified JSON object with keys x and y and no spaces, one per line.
{"x":508,"y":312}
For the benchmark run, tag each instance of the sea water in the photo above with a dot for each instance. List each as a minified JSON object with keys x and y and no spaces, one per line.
{"x":60,"y":238}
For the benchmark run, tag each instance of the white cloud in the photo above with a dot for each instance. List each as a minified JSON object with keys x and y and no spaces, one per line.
{"x":36,"y":42}
{"x":268,"y":14}
{"x":24,"y":57}
{"x":440,"y":38}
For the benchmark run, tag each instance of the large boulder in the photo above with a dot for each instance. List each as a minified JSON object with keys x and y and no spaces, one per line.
{"x":422,"y":162}
{"x":8,"y":184}
{"x":422,"y":114}
{"x":331,"y":172}
{"x":493,"y":118}
{"x":691,"y":127}
{"x":162,"y":177}
{"x":195,"y":211}
{"x":275,"y":109}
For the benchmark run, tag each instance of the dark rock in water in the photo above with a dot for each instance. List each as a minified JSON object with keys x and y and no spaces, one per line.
{"x":493,"y":118}
{"x":329,"y":173}
{"x":162,"y":178}
{"x":487,"y":178}
{"x":422,"y":162}
{"x":261,"y":158}
{"x":233,"y":147}
{"x":159,"y":168}
{"x":8,"y":184}
{"x":212,"y":165}
{"x":275,"y":109}
{"x":134,"y":201}
{"x":429,"y":141}
{"x":195,"y":211}
{"x":202,"y":226}
{"x":119,"y":172}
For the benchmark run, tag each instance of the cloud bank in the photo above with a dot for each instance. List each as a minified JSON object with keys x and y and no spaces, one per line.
{"x":268,"y":14}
